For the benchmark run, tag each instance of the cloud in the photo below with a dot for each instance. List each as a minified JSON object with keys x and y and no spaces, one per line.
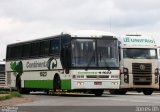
{"x":29,"y":19}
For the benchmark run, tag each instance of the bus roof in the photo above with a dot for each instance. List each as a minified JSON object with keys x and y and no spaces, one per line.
{"x":91,"y":33}
{"x":84,"y":34}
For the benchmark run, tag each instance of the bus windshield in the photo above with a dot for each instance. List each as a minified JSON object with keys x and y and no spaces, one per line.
{"x":137,"y":53}
{"x":94,"y":53}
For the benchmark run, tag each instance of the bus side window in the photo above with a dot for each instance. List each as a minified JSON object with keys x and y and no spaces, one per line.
{"x":16,"y":52}
{"x":9,"y":53}
{"x":35,"y":49}
{"x":44,"y":48}
{"x":55,"y":46}
{"x":26,"y":50}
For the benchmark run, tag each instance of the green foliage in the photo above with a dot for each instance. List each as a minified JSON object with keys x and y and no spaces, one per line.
{"x":4,"y":92}
{"x":9,"y":95}
{"x":15,"y":94}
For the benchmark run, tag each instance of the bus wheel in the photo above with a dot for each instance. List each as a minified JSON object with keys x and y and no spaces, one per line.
{"x":123,"y":91}
{"x":147,"y":91}
{"x":18,"y":84}
{"x":25,"y":91}
{"x":113,"y":92}
{"x":57,"y":83}
{"x":98,"y":92}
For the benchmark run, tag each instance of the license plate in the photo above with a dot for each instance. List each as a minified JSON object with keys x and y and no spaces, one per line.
{"x":97,"y":83}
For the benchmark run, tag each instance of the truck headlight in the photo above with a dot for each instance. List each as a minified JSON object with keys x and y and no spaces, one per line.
{"x":125,"y":70}
{"x":126,"y":78}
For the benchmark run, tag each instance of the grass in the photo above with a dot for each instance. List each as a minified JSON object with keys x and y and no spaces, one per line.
{"x":9,"y":95}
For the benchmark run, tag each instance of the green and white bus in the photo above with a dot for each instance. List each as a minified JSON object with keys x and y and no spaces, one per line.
{"x":64,"y":62}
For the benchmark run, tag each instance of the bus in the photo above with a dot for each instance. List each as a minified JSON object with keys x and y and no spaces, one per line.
{"x":138,"y":65}
{"x":2,"y":74}
{"x":64,"y":62}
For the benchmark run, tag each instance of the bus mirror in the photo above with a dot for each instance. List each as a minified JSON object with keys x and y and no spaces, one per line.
{"x":67,"y":70}
{"x":66,"y":60}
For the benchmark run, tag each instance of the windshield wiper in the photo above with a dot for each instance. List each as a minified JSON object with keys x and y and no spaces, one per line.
{"x":106,"y":64}
{"x":89,"y":62}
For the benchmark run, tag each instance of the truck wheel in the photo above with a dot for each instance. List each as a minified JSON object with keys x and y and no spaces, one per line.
{"x":113,"y":92}
{"x":147,"y":91}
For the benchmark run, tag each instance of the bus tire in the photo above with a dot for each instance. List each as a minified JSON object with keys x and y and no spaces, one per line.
{"x":123,"y":91}
{"x":25,"y":91}
{"x":98,"y":92}
{"x":57,"y":83}
{"x":147,"y":91}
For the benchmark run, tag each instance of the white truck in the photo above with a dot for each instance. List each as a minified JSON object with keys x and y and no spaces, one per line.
{"x":138,"y":65}
{"x":159,"y":62}
{"x":2,"y":74}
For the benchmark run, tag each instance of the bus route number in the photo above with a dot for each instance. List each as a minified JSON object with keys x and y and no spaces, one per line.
{"x":43,"y":74}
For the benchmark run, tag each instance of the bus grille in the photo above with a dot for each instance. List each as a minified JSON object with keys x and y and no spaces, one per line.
{"x":142,"y":73}
{"x":97,"y":76}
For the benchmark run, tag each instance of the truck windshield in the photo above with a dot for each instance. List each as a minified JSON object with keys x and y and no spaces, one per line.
{"x":137,"y":53}
{"x":94,"y":53}
{"x":2,"y":68}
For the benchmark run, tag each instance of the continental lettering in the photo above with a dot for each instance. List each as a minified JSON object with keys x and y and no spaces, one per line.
{"x":36,"y":64}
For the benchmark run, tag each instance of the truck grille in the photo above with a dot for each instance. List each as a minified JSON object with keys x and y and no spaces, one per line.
{"x":142,"y":73}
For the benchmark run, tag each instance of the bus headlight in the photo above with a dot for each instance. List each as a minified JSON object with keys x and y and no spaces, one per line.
{"x":78,"y":76}
{"x":115,"y":76}
{"x":80,"y":83}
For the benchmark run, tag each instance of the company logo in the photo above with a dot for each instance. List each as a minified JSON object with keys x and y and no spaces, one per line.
{"x":138,"y":40}
{"x":52,"y":63}
{"x":142,"y":67}
{"x":17,"y":67}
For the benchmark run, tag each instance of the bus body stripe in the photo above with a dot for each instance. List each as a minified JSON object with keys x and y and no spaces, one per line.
{"x":46,"y":84}
{"x":66,"y":84}
{"x":43,"y":84}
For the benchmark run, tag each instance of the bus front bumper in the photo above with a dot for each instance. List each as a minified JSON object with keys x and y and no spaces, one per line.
{"x":95,"y":84}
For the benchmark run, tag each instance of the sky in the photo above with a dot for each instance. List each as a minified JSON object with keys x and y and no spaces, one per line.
{"x":31,"y":19}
